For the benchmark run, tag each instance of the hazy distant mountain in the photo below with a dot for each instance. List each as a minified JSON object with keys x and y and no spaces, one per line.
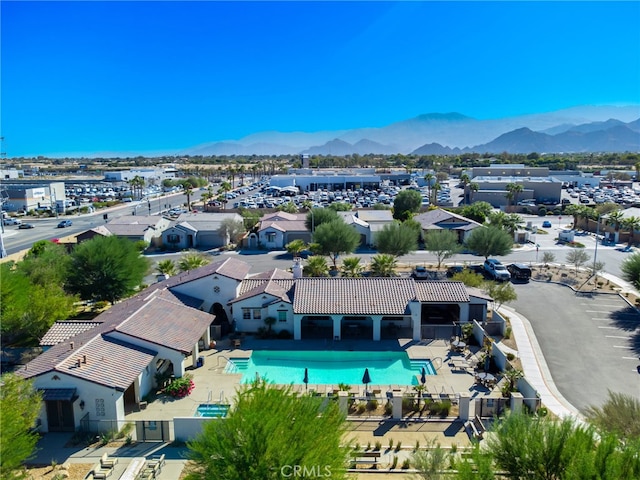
{"x":616,"y":138}
{"x":436,"y":149}
{"x":437,"y":132}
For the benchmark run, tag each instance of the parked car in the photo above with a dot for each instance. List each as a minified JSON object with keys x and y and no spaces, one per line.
{"x":451,"y":271}
{"x":496,"y":270}
{"x":11,"y":221}
{"x":546,"y":224}
{"x":23,"y":226}
{"x":420,"y":273}
{"x":519,"y":271}
{"x":65,"y":223}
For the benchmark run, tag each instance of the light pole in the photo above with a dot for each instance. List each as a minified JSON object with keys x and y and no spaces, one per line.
{"x":595,"y":253}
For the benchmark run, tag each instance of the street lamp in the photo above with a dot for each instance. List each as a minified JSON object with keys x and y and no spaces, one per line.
{"x":595,"y":253}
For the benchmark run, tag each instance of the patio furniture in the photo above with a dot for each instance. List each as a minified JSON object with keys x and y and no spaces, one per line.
{"x":132,"y":471}
{"x":237,"y":343}
{"x":107,"y":462}
{"x":486,"y":379}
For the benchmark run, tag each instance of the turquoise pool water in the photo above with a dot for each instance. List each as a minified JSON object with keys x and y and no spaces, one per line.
{"x":330,"y":367}
{"x":212,"y":410}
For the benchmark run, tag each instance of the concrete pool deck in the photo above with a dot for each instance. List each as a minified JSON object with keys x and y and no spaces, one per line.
{"x":212,"y":385}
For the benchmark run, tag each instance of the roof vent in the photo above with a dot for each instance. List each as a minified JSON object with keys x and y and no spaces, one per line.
{"x":70,"y":345}
{"x":78,"y":363}
{"x":84,"y":359}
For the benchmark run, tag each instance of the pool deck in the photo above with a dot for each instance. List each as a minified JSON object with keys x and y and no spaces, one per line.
{"x":212,"y":385}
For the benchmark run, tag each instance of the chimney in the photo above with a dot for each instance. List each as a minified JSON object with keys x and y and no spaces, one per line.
{"x":70,"y":345}
{"x":297,"y":268}
{"x":84,"y":359}
{"x":78,"y":363}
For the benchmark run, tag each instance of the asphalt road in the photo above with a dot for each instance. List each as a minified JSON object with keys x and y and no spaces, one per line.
{"x":591,"y":344}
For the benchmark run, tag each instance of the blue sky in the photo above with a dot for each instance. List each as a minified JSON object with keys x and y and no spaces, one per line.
{"x":80,"y":77}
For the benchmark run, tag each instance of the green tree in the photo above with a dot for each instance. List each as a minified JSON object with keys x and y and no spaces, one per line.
{"x":513,"y":189}
{"x":295,"y":247}
{"x":630,"y":267}
{"x":193,"y":259}
{"x":288,"y":207}
{"x":137,"y":184}
{"x":351,"y":267}
{"x":575,"y":211}
{"x":232,"y":229}
{"x":318,"y":216}
{"x":489,"y":241}
{"x":316,"y":267}
{"x":396,"y":239}
{"x":269,"y":430}
{"x":431,"y":463}
{"x":406,"y":203}
{"x":46,"y":263}
{"x":619,"y":415}
{"x":477,"y":211}
{"x":340,"y":206}
{"x":547,"y":258}
{"x":443,"y":244}
{"x":383,"y":265}
{"x":106,"y":268}
{"x":469,"y":278}
{"x":501,"y":292}
{"x":20,"y":405}
{"x":632,"y":224}
{"x":577,"y":257}
{"x":336,"y":238}
{"x":188,"y":191}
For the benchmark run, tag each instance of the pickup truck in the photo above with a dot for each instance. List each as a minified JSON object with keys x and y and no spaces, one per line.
{"x":496,"y":270}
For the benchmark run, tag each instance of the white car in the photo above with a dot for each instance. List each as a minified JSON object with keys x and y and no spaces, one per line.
{"x":12,"y":221}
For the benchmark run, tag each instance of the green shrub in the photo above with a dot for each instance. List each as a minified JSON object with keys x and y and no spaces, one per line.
{"x":377,"y":446}
{"x":285,"y":335}
{"x":398,"y":446}
{"x":394,"y":464}
{"x":390,"y":443}
{"x":368,"y":447}
{"x":510,"y":356}
{"x":361,"y":408}
{"x":180,"y":387}
{"x":417,"y":447}
{"x":406,"y":464}
{"x":542,"y":212}
{"x":372,"y":404}
{"x":388,"y":408}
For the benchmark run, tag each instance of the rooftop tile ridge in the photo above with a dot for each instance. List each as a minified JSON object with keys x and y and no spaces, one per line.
{"x":75,"y":351}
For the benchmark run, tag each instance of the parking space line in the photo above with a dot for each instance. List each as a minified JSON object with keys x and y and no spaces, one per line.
{"x":601,"y":319}
{"x":609,"y":328}
{"x":600,"y":305}
{"x":629,"y":358}
{"x":623,"y":346}
{"x":617,"y":336}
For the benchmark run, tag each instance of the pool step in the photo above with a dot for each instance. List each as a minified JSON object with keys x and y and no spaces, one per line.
{"x":236,"y":365}
{"x":416,"y":366}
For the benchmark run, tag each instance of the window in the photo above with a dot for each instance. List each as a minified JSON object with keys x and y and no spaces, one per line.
{"x":100,"y":412}
{"x":246,"y":313}
{"x":257,"y":314}
{"x":216,"y":289}
{"x":282,"y":315}
{"x":173,"y":238}
{"x":271,"y":237}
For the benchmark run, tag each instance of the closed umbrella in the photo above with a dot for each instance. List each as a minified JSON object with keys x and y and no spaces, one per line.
{"x":423,"y":377}
{"x":366,"y":379}
{"x":306,"y":378}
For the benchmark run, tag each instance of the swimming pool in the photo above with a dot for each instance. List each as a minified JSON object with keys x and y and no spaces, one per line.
{"x":212,"y":410}
{"x":330,"y":367}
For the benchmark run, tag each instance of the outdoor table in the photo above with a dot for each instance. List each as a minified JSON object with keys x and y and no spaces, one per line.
{"x":458,"y":344}
{"x":486,"y":378}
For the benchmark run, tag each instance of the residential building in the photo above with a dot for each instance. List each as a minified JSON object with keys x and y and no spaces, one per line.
{"x":198,"y":230}
{"x":439,"y":219}
{"x":147,"y":228}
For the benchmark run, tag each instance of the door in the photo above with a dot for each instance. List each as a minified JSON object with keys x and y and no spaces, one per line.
{"x":60,"y":416}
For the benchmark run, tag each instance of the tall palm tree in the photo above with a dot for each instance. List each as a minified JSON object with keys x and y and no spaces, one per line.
{"x":137,"y":184}
{"x":383,"y":265}
{"x":465,"y":180}
{"x":615,"y":218}
{"x":434,"y":191}
{"x":473,"y":188}
{"x":351,"y":267}
{"x":429,"y":177}
{"x":512,"y":223}
{"x":188,"y":191}
{"x":513,"y":189}
{"x":632,"y":224}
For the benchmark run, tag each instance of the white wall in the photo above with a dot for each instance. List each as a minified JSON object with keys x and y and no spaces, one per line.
{"x":203,"y":288}
{"x":87,"y":392}
{"x":187,"y":428}
{"x":271,"y":310}
{"x":278,"y":241}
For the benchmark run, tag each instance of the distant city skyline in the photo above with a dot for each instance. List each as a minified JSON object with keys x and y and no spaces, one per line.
{"x":84,"y":78}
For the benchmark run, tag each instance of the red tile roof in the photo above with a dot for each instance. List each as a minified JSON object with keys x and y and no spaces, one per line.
{"x":441,"y":292}
{"x":63,"y":330}
{"x":353,"y":296}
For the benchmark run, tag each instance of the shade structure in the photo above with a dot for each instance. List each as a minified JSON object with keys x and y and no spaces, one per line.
{"x":366,"y":379}
{"x":423,"y":376}
{"x":306,"y":378}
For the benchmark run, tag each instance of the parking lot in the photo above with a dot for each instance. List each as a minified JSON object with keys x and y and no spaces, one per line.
{"x":590,"y":343}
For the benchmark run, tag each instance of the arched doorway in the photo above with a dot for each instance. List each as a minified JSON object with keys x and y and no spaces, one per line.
{"x":221,"y":318}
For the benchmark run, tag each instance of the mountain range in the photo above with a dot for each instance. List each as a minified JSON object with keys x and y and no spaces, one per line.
{"x":575,"y":130}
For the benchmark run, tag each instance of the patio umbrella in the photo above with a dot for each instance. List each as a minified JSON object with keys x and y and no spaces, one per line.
{"x":306,"y":378}
{"x":366,"y":379}
{"x":423,"y":377}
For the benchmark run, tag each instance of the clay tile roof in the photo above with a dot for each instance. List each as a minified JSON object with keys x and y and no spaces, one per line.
{"x":439,"y":292}
{"x":353,"y":296}
{"x":63,"y":330}
{"x":164,"y":321}
{"x":276,"y":273}
{"x":279,"y":288}
{"x":227,"y":267}
{"x":109,"y":362}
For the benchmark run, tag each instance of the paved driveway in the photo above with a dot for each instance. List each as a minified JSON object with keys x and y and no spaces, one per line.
{"x":591,"y":344}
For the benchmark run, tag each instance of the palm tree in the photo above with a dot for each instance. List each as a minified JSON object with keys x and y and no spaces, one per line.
{"x":429,"y":177}
{"x":615,"y":218}
{"x":473,"y":188}
{"x":188,"y":191}
{"x":513,"y":189}
{"x":575,"y":211}
{"x":632,"y":224}
{"x":351,"y":267}
{"x":192,"y":260}
{"x":167,"y":267}
{"x":294,"y":247}
{"x":512,"y":223}
{"x":316,"y":267}
{"x":434,"y":191}
{"x":465,"y":180}
{"x":384,"y":265}
{"x":137,"y":184}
